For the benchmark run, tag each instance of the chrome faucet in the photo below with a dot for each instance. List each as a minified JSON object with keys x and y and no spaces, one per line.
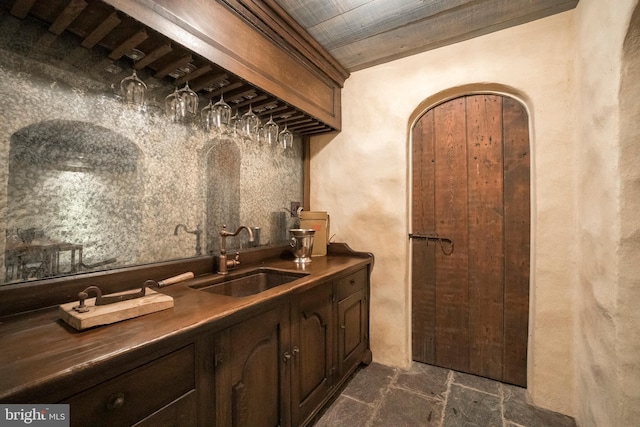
{"x":197,"y":232}
{"x":223,"y":264}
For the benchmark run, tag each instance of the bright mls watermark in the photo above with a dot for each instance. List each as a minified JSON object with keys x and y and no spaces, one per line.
{"x":34,"y":415}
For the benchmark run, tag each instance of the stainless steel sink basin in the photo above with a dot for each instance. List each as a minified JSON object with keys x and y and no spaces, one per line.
{"x":247,"y":283}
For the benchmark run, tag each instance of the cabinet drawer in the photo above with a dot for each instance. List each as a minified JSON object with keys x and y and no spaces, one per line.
{"x":351,"y":283}
{"x":132,"y":396}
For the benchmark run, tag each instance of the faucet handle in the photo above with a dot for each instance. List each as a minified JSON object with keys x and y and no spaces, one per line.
{"x":232,"y":263}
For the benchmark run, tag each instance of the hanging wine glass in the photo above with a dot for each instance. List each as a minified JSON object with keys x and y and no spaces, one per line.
{"x":250,"y":124}
{"x":174,"y":106}
{"x":221,"y":113}
{"x":260,"y":135}
{"x":191,"y":101}
{"x":235,"y":124}
{"x":133,"y":91}
{"x":286,"y":138}
{"x":182,"y":105}
{"x":271,"y":129}
{"x":207,"y":117}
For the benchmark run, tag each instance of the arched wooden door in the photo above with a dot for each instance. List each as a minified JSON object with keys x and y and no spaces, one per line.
{"x":470,"y":299}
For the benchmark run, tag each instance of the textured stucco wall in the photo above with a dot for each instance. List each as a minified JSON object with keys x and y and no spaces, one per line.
{"x":608,"y":295}
{"x":578,"y":75}
{"x":361,"y":176}
{"x":629,"y":279}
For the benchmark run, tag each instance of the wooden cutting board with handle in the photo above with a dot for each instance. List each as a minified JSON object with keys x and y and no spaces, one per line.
{"x":104,"y":310}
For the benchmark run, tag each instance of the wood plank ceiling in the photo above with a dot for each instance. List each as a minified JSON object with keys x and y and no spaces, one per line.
{"x":97,"y":24}
{"x":363,"y":33}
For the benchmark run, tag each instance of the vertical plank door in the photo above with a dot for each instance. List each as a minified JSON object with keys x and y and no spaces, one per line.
{"x":470,"y":184}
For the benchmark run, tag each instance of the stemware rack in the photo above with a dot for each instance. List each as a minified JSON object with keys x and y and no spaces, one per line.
{"x":97,"y":25}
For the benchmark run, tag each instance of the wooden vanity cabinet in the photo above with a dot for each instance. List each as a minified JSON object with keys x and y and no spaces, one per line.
{"x":274,"y":368}
{"x":275,"y":364}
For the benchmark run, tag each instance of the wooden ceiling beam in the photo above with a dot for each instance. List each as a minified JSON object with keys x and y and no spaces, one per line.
{"x":244,"y":91}
{"x":250,"y":101}
{"x":153,"y":56}
{"x":173,"y":66}
{"x":275,"y":112}
{"x":226,"y":90}
{"x":211,"y":80}
{"x":262,"y":106}
{"x":129,"y":44}
{"x":101,"y":30}
{"x":304,"y":127}
{"x":298,"y":118}
{"x":285,"y":115}
{"x":21,"y":8}
{"x":71,"y":12}
{"x":317,"y":126}
{"x":189,"y":77}
{"x":319,"y":130}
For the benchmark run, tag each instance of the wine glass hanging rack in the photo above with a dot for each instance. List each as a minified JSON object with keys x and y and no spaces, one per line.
{"x":97,"y":25}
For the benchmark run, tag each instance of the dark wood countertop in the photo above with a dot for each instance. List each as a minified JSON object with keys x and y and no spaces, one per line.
{"x":44,"y":358}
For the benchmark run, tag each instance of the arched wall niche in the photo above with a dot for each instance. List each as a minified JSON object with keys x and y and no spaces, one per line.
{"x":222,"y":187}
{"x":80,"y":182}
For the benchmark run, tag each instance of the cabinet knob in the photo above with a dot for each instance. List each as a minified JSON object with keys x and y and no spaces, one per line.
{"x":286,"y":356}
{"x":116,"y":401}
{"x":295,"y":350}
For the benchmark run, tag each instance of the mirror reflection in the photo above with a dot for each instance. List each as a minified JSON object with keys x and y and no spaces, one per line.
{"x":93,"y":184}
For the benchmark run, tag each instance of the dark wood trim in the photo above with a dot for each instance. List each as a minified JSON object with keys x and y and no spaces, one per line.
{"x":275,"y":23}
{"x":21,"y":8}
{"x":306,"y":203}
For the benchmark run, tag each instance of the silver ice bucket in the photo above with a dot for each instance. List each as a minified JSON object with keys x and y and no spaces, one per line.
{"x":301,"y":244}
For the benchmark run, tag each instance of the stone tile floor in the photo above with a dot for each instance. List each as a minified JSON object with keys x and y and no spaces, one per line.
{"x":426,"y":395}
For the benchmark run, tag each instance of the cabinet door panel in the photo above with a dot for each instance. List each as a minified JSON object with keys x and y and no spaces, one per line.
{"x":353,"y":330}
{"x":352,"y":315}
{"x":250,"y":381}
{"x":255,"y":390}
{"x":313,"y":349}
